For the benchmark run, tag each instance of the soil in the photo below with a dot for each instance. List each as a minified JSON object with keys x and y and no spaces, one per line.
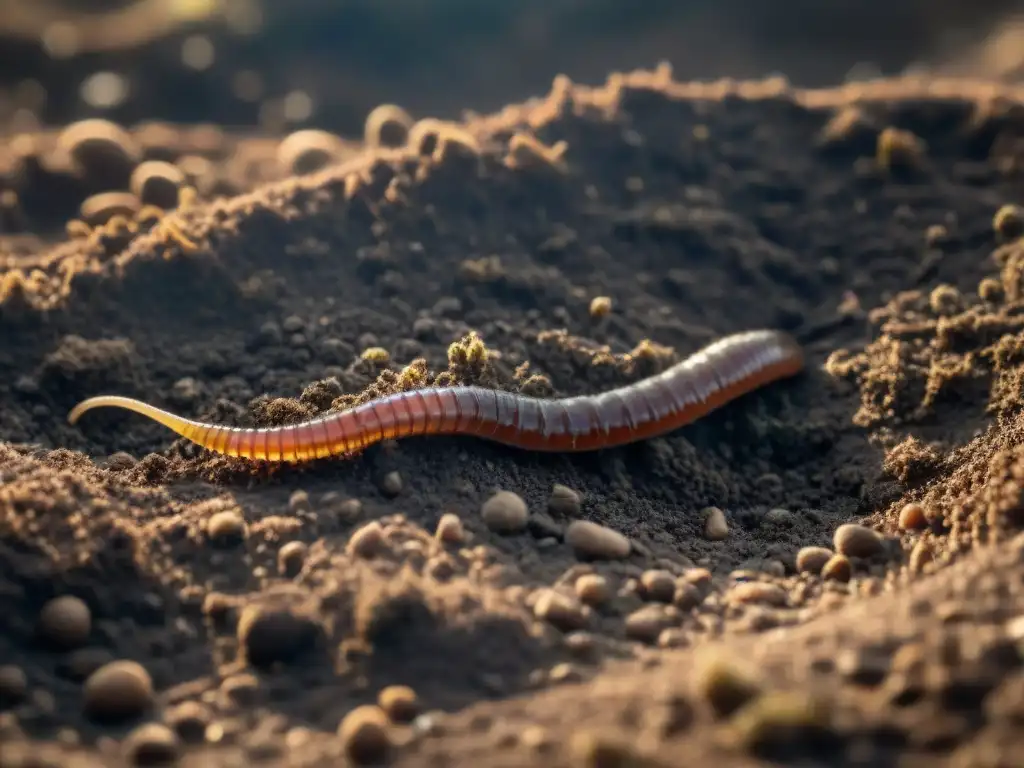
{"x":824,"y":572}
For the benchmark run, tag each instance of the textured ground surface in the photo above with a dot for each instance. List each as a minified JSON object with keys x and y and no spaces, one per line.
{"x":856,"y":599}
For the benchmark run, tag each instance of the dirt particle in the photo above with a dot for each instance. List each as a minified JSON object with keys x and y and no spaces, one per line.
{"x":189,"y":720}
{"x":838,"y":568}
{"x":450,"y":529}
{"x":376,"y":355}
{"x":594,"y":541}
{"x":368,"y":541}
{"x":912,"y":517}
{"x":564,"y":501}
{"x":156,"y":182}
{"x":270,"y":635}
{"x":298,"y":503}
{"x":990,"y":290}
{"x":13,"y":686}
{"x":65,"y":622}
{"x":855,"y":540}
{"x":364,"y":734}
{"x":120,"y":690}
{"x":399,"y":703}
{"x":226,"y":528}
{"x":1008,"y":222}
{"x":560,"y":610}
{"x":308,"y":151}
{"x":724,"y":684}
{"x":101,"y":152}
{"x":898,"y":149}
{"x":100,"y":209}
{"x":505,"y":512}
{"x":593,"y":589}
{"x":812,"y":559}
{"x":391,"y":484}
{"x":658,"y":585}
{"x":387,"y":126}
{"x":151,"y":744}
{"x":600,"y":307}
{"x":687,"y":596}
{"x":291,"y":557}
{"x":716,"y":527}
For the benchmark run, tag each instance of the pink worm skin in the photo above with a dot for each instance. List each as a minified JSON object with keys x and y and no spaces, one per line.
{"x":717,"y":374}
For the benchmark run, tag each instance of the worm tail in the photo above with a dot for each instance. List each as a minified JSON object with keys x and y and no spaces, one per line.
{"x":188,"y":429}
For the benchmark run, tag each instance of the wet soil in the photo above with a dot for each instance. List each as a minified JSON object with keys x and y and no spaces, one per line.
{"x":826,"y":571}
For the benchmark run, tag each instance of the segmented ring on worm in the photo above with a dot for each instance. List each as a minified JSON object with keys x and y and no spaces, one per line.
{"x":713,"y":376}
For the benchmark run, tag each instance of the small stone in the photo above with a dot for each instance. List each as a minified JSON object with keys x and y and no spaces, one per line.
{"x":590,"y":540}
{"x":912,"y":517}
{"x":593,"y":589}
{"x":368,"y":541}
{"x":855,"y":540}
{"x":505,"y":512}
{"x":226,"y":528}
{"x":349,"y":510}
{"x":364,"y":735}
{"x":600,"y":306}
{"x":120,"y":690}
{"x":716,"y":527}
{"x":559,"y":610}
{"x":271,"y":635}
{"x":687,"y":596}
{"x":564,"y":501}
{"x":291,"y":558}
{"x":158,"y":183}
{"x":1008,"y":222}
{"x":645,"y":624}
{"x":151,"y":744}
{"x":65,"y":622}
{"x":753,"y":592}
{"x":13,"y":686}
{"x":101,"y":152}
{"x":450,"y":529}
{"x":580,"y":643}
{"x":391,"y":484}
{"x":725,"y":685}
{"x":189,"y":720}
{"x":812,"y":559}
{"x":778,"y":516}
{"x":96,"y":210}
{"x":658,"y":585}
{"x":672,"y":637}
{"x":838,"y":568}
{"x":298,"y":503}
{"x":309,"y":150}
{"x":399,"y":703}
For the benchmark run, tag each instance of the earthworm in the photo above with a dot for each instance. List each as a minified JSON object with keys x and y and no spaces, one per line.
{"x":711,"y":377}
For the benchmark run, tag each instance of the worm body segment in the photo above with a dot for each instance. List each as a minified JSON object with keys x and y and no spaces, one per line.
{"x":713,"y":376}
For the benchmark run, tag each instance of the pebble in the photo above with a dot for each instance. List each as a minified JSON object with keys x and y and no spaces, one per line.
{"x":658,"y":585}
{"x":645,"y":624}
{"x":291,"y":558}
{"x":119,"y":690}
{"x":564,"y":501}
{"x":387,"y":126}
{"x":855,"y":540}
{"x":590,"y":540}
{"x":364,"y":735}
{"x":308,"y":150}
{"x":189,"y":720}
{"x":593,"y":589}
{"x":391,"y":484}
{"x":367,"y":541}
{"x":686,"y":596}
{"x":912,"y":517}
{"x":399,"y":703}
{"x":716,"y":527}
{"x":65,"y":622}
{"x":561,"y":611}
{"x":158,"y":183}
{"x":838,"y":568}
{"x":758,"y":592}
{"x":271,"y":635}
{"x":96,"y":210}
{"x":299,"y":503}
{"x":13,"y":685}
{"x":151,"y":744}
{"x":226,"y":528}
{"x":101,"y":152}
{"x":450,"y":529}
{"x":1009,"y":221}
{"x":725,"y":685}
{"x":812,"y":559}
{"x":778,"y":516}
{"x":505,"y":512}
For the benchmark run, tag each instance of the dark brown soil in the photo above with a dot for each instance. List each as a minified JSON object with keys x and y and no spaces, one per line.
{"x":863,"y":607}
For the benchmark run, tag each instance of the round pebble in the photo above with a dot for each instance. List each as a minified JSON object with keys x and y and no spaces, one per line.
{"x":838,"y":568}
{"x":65,"y":622}
{"x":151,"y":744}
{"x":13,"y":686}
{"x":505,"y":512}
{"x":271,"y":635}
{"x":308,"y":151}
{"x":226,"y":528}
{"x":291,"y":557}
{"x":100,"y":208}
{"x":716,"y":527}
{"x":119,"y":690}
{"x":912,"y":517}
{"x":559,"y":610}
{"x":659,"y":585}
{"x":367,"y":541}
{"x":590,"y":540}
{"x":158,"y":183}
{"x":101,"y":152}
{"x":1009,"y":222}
{"x":593,"y":589}
{"x":855,"y":540}
{"x":450,"y":529}
{"x":758,"y":592}
{"x":645,"y":624}
{"x":391,"y":484}
{"x":387,"y":126}
{"x":812,"y":559}
{"x":399,"y":703}
{"x":364,"y":735}
{"x":564,"y":501}
{"x":190,"y":719}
